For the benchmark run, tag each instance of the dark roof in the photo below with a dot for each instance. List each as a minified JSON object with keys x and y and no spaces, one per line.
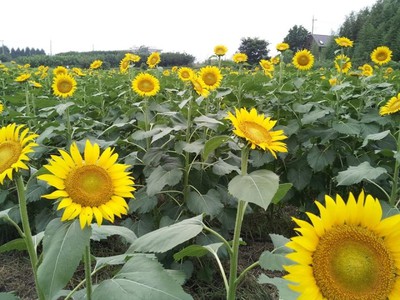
{"x":321,"y":40}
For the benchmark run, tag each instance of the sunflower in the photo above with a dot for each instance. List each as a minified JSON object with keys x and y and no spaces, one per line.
{"x":391,"y":107}
{"x":185,"y":73}
{"x":14,"y":147}
{"x":35,"y":84}
{"x":367,"y":70}
{"x":199,"y":86}
{"x":1,"y":107}
{"x":381,"y":55}
{"x":153,"y":59}
{"x":303,"y":60}
{"x":275,"y":60}
{"x":132,"y":57}
{"x":211,"y":76}
{"x":23,"y":77}
{"x":267,"y":65}
{"x":282,"y":47}
{"x":94,"y":185}
{"x":220,"y":50}
{"x":60,"y":70}
{"x":344,"y":42}
{"x":240,"y":57}
{"x":64,"y":85}
{"x":96,"y":64}
{"x":342,"y":63}
{"x":124,"y":65}
{"x":256,"y":129}
{"x":145,"y":85}
{"x":349,"y":252}
{"x":333,"y":81}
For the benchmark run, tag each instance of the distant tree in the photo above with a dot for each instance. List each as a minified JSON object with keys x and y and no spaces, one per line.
{"x":296,"y":37}
{"x":255,"y":49}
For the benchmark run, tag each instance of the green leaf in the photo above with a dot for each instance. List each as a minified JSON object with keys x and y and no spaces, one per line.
{"x":63,"y":246}
{"x":8,"y":296}
{"x":349,"y":128}
{"x":285,"y":293}
{"x":222,"y":168}
{"x":142,"y":203}
{"x":258,"y":187}
{"x":319,"y":160}
{"x":166,"y":238}
{"x":280,"y":242}
{"x":281,"y":192}
{"x":273,"y":261}
{"x":104,"y":231}
{"x":212,"y":144}
{"x":141,"y":278}
{"x":358,"y":173}
{"x":375,"y":137}
{"x":313,"y":116}
{"x":195,"y":147}
{"x":17,"y":244}
{"x":300,"y":177}
{"x":111,"y":260}
{"x":210,"y":204}
{"x":207,"y":122}
{"x":191,"y":251}
{"x":159,"y":178}
{"x":60,"y":108}
{"x":4,"y":213}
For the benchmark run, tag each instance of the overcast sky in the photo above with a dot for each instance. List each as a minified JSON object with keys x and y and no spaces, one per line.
{"x":194,"y":27}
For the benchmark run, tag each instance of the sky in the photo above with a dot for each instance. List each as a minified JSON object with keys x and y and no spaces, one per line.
{"x":192,"y":27}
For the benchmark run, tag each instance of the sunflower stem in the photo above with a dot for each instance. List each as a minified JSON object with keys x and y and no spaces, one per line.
{"x":69,"y":128}
{"x":88,"y":272}
{"x":27,"y":231}
{"x":187,"y":157}
{"x":233,"y":276}
{"x":393,"y":194}
{"x":146,"y":121}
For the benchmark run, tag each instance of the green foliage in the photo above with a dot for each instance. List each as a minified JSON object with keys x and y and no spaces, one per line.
{"x":296,"y":38}
{"x":255,"y":48}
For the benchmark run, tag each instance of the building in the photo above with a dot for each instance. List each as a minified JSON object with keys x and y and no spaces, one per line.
{"x":316,"y":43}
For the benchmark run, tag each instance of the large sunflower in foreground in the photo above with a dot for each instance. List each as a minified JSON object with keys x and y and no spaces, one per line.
{"x":90,"y":186}
{"x":145,"y":84}
{"x":14,"y":147}
{"x":257,"y":130}
{"x":381,"y":55}
{"x":349,"y":252}
{"x":211,"y":76}
{"x":391,"y":107}
{"x":303,"y":60}
{"x":64,"y":85}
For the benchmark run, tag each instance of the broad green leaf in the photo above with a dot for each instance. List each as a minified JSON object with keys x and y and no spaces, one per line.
{"x":142,"y":203}
{"x":141,"y":278}
{"x":375,"y":137}
{"x":358,"y":173}
{"x":273,"y":261}
{"x":8,"y":296}
{"x":349,"y":128}
{"x":210,"y":204}
{"x":208,"y":122}
{"x":319,"y":159}
{"x":285,"y":293}
{"x":300,"y":177}
{"x":4,"y":213}
{"x":280,"y":242}
{"x":139,"y":135}
{"x":63,"y":247}
{"x":104,"y":231}
{"x":213,"y":143}
{"x":37,"y":239}
{"x":60,"y":108}
{"x":195,"y":147}
{"x":166,"y":238}
{"x":223,"y":168}
{"x":111,"y":260}
{"x":191,"y":251}
{"x":281,"y":192}
{"x":302,"y":108}
{"x":313,"y":116}
{"x":17,"y":244}
{"x":159,"y":178}
{"x":258,"y":187}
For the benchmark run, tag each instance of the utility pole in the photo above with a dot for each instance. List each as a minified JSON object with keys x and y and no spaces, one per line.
{"x":51,"y":47}
{"x":312,"y":26}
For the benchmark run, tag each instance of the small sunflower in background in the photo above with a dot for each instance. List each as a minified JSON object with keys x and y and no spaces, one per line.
{"x":257,"y":130}
{"x":240,"y":57}
{"x":60,"y":70}
{"x":342,"y":63}
{"x":282,"y":47}
{"x":185,"y":73}
{"x":211,"y":76}
{"x":303,"y":60}
{"x":15,"y":143}
{"x":90,"y":187}
{"x":344,"y":42}
{"x":220,"y":50}
{"x":381,"y":55}
{"x":349,"y":252}
{"x":153,"y":60}
{"x":391,"y":107}
{"x":23,"y":77}
{"x":64,"y":85}
{"x":145,"y":85}
{"x":96,"y":64}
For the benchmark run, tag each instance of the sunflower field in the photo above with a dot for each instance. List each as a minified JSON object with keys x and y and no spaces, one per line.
{"x":171,"y":163}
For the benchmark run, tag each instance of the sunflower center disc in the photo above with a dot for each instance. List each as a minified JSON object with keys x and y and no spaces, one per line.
{"x":256,"y":133}
{"x":64,"y":86}
{"x":352,"y":262}
{"x":89,"y":186}
{"x":210,"y":79}
{"x":381,"y":57}
{"x":9,"y":154}
{"x":303,"y":60}
{"x":146,"y":86}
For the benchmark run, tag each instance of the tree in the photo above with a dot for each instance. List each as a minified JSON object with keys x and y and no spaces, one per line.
{"x":254,"y":48}
{"x":296,"y":37}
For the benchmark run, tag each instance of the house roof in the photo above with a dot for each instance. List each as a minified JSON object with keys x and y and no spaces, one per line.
{"x":321,"y":40}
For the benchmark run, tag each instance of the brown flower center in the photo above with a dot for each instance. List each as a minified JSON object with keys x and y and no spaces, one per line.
{"x":146,"y":85}
{"x":9,"y":154}
{"x":256,"y":132}
{"x":64,"y":86}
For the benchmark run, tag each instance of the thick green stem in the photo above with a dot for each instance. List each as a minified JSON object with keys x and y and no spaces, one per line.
{"x":233,"y":276}
{"x":146,"y":113}
{"x":187,"y":154}
{"x":393,"y":194}
{"x":88,"y":272}
{"x":27,"y":231}
{"x":69,"y":128}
